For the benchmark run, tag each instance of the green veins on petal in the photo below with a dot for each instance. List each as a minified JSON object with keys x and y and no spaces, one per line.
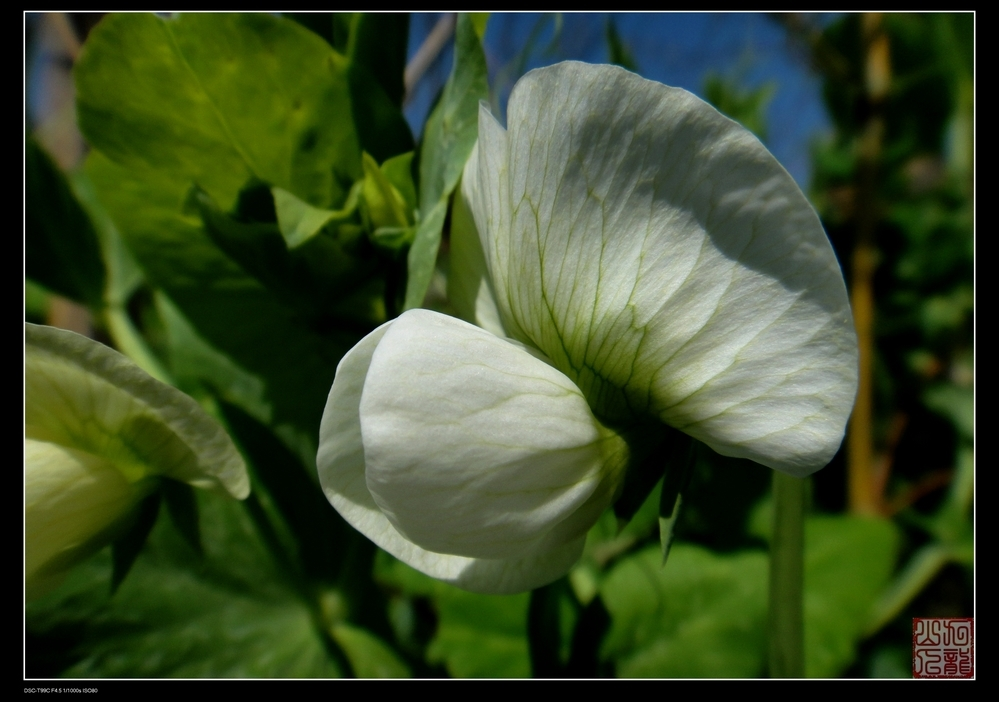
{"x":662,"y":259}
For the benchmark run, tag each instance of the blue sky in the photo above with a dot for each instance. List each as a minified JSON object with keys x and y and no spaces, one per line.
{"x":678,"y":49}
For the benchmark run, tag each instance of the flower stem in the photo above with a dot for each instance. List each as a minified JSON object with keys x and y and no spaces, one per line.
{"x":787,"y":659}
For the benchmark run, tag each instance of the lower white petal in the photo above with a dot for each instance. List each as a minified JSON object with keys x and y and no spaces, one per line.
{"x":474,"y":446}
{"x":341,"y":463}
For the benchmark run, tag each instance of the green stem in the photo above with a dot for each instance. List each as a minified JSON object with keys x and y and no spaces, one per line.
{"x":130,"y":342}
{"x":787,"y":659}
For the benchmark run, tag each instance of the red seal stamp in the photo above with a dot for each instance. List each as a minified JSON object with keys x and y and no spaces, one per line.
{"x":943,"y":648}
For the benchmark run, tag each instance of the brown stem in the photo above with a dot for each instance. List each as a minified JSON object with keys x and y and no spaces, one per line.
{"x":860,"y":443}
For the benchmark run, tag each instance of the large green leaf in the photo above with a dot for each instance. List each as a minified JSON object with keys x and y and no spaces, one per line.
{"x":448,"y":138}
{"x":217,"y":98}
{"x":848,"y":562}
{"x":276,"y":366}
{"x":230,"y":614}
{"x":481,"y":636}
{"x":703,"y":615}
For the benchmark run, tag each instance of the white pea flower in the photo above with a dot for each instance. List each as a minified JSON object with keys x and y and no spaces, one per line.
{"x":632,"y":258}
{"x":98,"y":431}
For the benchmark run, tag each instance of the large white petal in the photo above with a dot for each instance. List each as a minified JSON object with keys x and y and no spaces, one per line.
{"x":341,"y":462}
{"x":83,"y":395}
{"x":665,"y":261}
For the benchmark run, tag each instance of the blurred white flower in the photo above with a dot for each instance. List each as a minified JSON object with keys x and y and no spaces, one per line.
{"x":98,"y":433}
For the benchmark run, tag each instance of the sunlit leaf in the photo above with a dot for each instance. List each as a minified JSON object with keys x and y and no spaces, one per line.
{"x":369,"y":656}
{"x":217,"y":98}
{"x":701,"y":616}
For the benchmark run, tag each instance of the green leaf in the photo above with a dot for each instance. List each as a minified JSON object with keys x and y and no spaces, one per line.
{"x":848,"y":565}
{"x":617,"y":51}
{"x":481,"y":636}
{"x":378,"y":42}
{"x":448,"y":138}
{"x":217,"y":98}
{"x":679,"y":468}
{"x":36,"y":302}
{"x":610,"y":539}
{"x":923,"y":566}
{"x":398,"y":170}
{"x":182,"y":505}
{"x":452,"y":127}
{"x":478,"y":636}
{"x":381,"y":127}
{"x":229,"y":614}
{"x":299,"y":221}
{"x":848,"y":562}
{"x":126,"y":549}
{"x":376,"y":52}
{"x":384,"y":205}
{"x":746,"y":106}
{"x":479,"y":21}
{"x":320,"y":539}
{"x":369,"y":656}
{"x":277,"y":366}
{"x":956,"y":403}
{"x":423,"y":254}
{"x":61,"y":249}
{"x":310,"y":279}
{"x":124,"y":277}
{"x":392,"y":238}
{"x":703,"y":616}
